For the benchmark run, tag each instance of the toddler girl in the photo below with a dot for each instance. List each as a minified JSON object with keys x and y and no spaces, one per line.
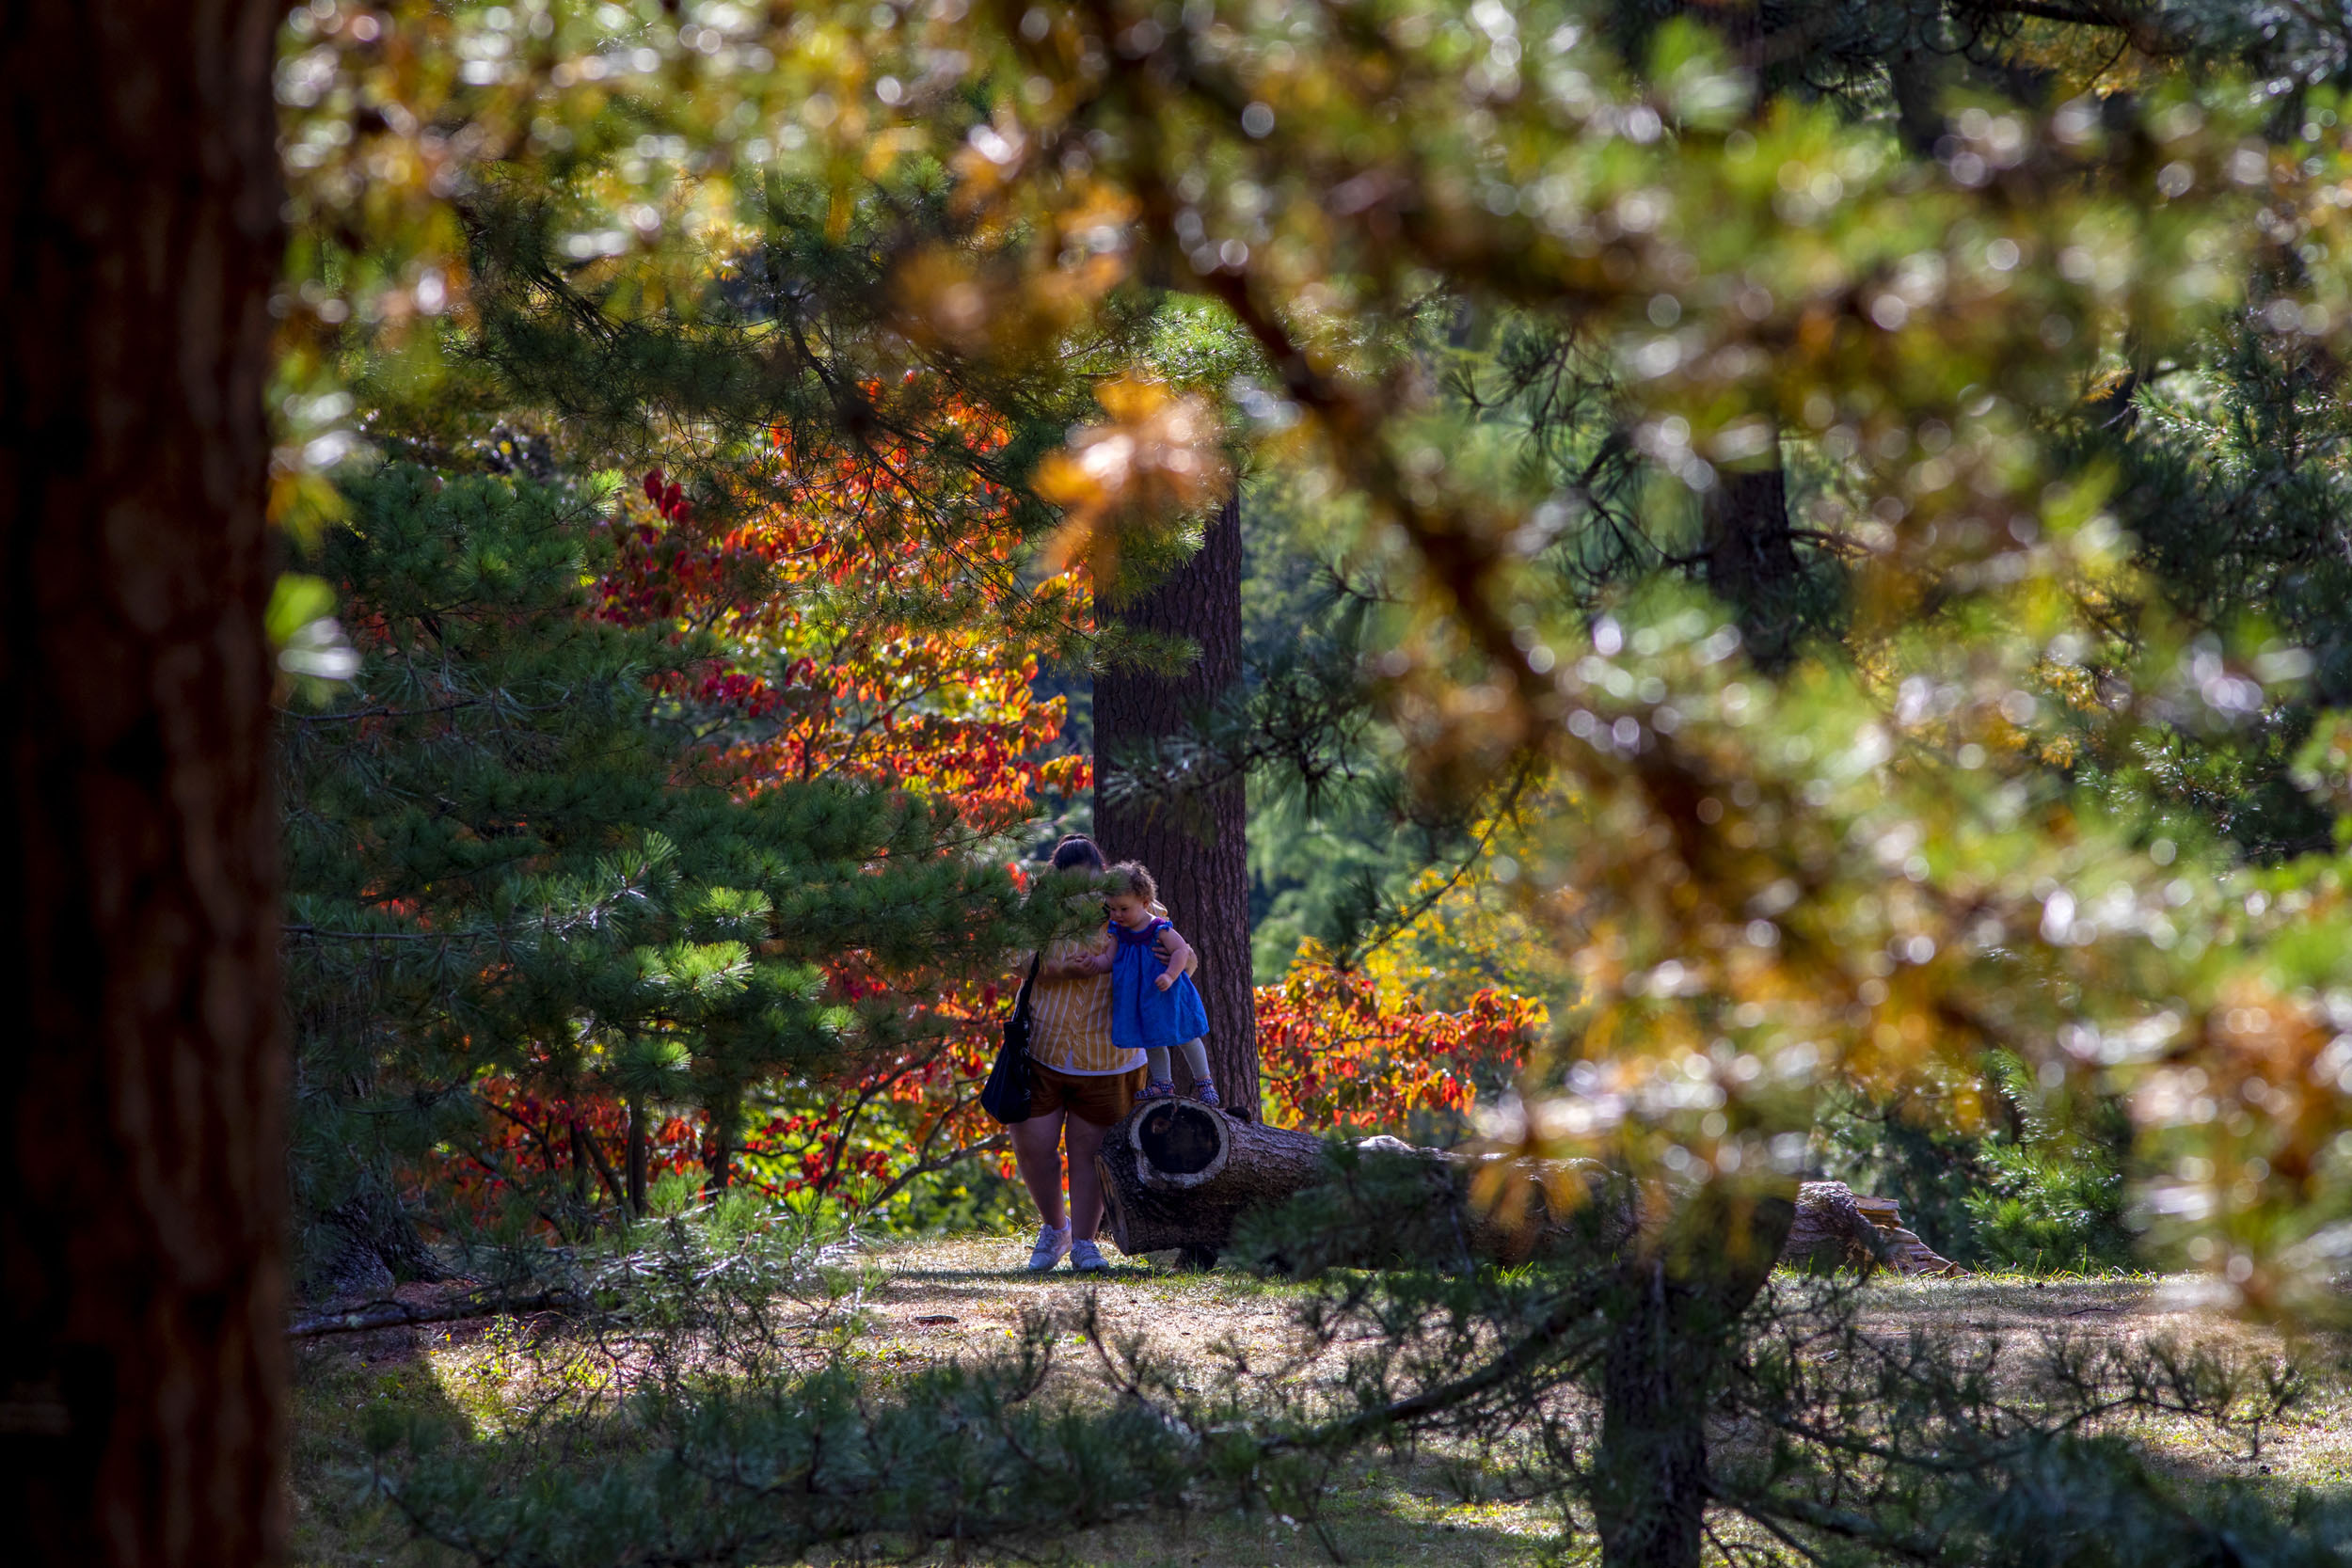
{"x":1150,"y":1006}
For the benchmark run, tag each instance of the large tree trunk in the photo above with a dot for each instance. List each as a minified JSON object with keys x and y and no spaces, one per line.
{"x":142,"y":1304}
{"x":1649,"y":1496}
{"x":1195,"y":846}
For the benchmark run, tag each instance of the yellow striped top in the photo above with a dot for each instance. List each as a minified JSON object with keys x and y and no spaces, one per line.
{"x":1070,"y":1018}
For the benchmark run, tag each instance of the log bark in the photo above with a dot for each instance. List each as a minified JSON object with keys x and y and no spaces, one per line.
{"x":1177,"y":1174}
{"x":1196,"y":847}
{"x":369,"y":1245}
{"x":1837,"y":1228}
{"x":142,"y":1309}
{"x":1180,"y":1176}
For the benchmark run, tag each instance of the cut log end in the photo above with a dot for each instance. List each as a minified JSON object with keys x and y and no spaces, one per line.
{"x":1179,"y":1144}
{"x":1176,"y":1174}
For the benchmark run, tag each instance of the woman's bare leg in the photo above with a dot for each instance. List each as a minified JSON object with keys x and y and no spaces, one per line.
{"x":1086,"y":1186}
{"x":1036,"y":1148}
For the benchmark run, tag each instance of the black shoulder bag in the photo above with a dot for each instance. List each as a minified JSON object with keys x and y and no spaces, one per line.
{"x":1007,"y":1094}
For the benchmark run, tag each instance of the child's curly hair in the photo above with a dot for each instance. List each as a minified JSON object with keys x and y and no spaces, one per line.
{"x":1129,"y":878}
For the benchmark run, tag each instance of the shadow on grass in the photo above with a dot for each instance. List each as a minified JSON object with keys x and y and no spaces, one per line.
{"x":1375,"y":1512}
{"x":339,"y":1386}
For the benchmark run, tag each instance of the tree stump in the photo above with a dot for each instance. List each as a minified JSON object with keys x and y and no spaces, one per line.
{"x":1178,"y":1175}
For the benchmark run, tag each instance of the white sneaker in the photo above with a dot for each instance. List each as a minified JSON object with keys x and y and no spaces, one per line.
{"x":1051,"y":1244}
{"x":1087,"y":1258}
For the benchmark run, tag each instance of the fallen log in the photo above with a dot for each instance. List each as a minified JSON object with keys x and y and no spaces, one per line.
{"x":1178,"y":1175}
{"x":365,"y":1316}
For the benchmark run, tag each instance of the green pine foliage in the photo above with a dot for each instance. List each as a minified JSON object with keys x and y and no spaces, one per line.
{"x":503,"y":862}
{"x":2039,"y":1185}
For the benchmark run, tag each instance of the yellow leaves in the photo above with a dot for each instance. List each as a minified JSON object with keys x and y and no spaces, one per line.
{"x":2250,"y":1107}
{"x":1155,"y":460}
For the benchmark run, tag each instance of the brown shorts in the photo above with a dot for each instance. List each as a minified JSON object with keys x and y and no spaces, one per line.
{"x":1100,"y":1098}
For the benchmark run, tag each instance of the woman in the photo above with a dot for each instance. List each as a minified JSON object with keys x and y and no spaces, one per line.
{"x":1080,"y":1083}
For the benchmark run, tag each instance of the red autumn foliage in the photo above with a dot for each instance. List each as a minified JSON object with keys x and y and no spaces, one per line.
{"x":1334,"y":1054}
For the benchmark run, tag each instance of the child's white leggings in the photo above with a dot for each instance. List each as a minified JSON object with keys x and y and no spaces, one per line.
{"x":1195,"y":1057}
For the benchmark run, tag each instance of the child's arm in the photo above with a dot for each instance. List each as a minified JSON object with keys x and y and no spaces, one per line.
{"x":1075,"y":964}
{"x":1179,"y":954}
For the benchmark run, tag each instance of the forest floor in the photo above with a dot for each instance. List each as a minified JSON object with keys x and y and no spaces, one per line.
{"x":925,"y":1301}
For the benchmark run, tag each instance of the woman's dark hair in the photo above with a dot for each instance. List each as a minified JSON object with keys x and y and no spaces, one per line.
{"x":1076,"y":850}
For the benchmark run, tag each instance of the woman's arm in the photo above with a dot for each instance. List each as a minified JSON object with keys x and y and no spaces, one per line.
{"x":1177,"y":954}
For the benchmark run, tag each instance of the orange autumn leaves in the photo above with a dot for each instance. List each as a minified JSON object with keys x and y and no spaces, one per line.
{"x":1336,"y":1053}
{"x":865,"y":624}
{"x":1156,"y":456}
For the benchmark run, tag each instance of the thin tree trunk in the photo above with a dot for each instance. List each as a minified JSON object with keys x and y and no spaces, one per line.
{"x":585,"y":1141}
{"x":142,"y":1297}
{"x":580,"y":1167}
{"x":718,"y":1153}
{"x":640,"y":1156}
{"x":1195,"y":846}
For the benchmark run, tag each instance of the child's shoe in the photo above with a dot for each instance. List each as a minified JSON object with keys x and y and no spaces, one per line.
{"x":1160,"y":1088}
{"x":1205,"y":1092}
{"x":1087,"y":1258}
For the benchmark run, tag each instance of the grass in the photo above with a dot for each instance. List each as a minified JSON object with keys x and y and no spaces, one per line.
{"x":920,"y":1302}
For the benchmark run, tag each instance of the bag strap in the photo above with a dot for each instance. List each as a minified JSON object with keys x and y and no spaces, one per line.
{"x":1021,"y":1003}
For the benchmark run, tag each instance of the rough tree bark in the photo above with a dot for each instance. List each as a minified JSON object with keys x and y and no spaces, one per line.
{"x":640,"y":1156}
{"x":1197,"y":850}
{"x":370,"y":1246}
{"x":142,"y":1313}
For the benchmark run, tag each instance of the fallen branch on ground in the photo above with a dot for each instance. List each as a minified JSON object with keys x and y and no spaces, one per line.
{"x":399,"y":1314}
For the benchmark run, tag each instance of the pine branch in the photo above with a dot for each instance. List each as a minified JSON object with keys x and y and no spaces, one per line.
{"x":995,"y":1143}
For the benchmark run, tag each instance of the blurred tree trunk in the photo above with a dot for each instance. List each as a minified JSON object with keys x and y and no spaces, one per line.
{"x":1749,"y":556}
{"x":1196,"y":847}
{"x":142,"y":1313}
{"x":1675,"y":1317}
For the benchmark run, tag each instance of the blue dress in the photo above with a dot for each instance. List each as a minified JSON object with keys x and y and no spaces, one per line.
{"x":1144,"y":1017}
